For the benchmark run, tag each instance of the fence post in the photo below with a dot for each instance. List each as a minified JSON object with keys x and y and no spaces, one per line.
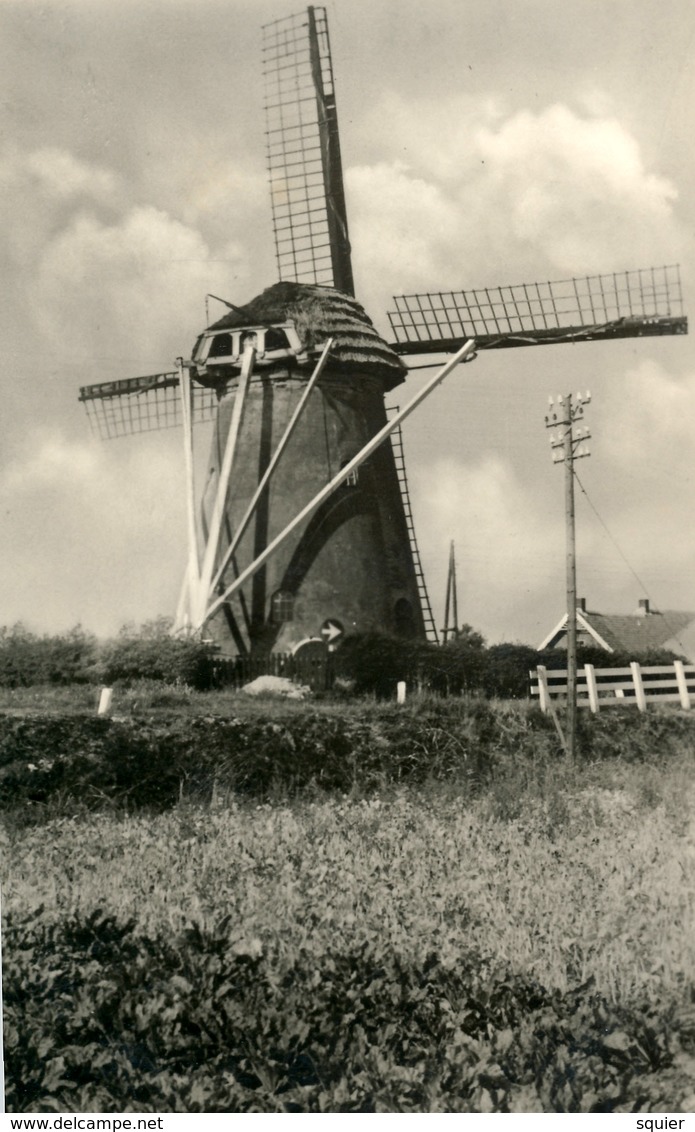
{"x":543,"y":693}
{"x":638,"y":685}
{"x":400,"y":692}
{"x":682,"y":685}
{"x":590,"y":673}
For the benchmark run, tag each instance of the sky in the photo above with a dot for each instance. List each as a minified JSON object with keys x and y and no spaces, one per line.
{"x":487,"y":143}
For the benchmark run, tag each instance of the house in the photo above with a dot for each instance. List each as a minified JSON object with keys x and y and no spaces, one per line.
{"x":638,"y":632}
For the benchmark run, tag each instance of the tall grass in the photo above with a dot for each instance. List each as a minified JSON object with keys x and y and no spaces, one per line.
{"x":592,"y":881}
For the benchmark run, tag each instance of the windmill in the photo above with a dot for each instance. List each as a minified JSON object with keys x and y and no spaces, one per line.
{"x":305,"y":528}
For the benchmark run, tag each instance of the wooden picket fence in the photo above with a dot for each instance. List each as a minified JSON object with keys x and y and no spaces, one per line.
{"x":312,"y":667}
{"x":235,"y":671}
{"x":603,"y":687}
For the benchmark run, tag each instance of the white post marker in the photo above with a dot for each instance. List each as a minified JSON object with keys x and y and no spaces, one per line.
{"x":105,"y":701}
{"x":400,"y":692}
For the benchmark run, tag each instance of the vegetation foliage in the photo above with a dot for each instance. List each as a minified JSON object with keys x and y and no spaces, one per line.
{"x":28,"y":659}
{"x":217,"y":904}
{"x":367,"y":663}
{"x":463,"y":664}
{"x":410,"y":952}
{"x":50,"y":761}
{"x":199,"y":1026}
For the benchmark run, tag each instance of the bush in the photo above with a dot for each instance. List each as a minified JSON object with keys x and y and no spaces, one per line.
{"x":27,"y":659}
{"x":151,"y":653}
{"x":458,"y":665}
{"x":507,"y":668}
{"x":376,"y":662}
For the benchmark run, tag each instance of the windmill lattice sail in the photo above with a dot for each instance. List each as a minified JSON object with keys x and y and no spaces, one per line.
{"x":142,"y":404}
{"x":626,"y":304}
{"x":303,"y":153}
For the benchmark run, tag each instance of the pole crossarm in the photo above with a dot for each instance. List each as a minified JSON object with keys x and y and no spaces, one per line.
{"x":464,"y":354}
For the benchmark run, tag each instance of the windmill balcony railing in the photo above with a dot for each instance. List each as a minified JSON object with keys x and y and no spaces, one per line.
{"x":638,"y":685}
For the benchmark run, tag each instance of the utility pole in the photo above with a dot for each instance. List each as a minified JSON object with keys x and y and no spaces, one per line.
{"x":451,"y":600}
{"x":567,"y":447}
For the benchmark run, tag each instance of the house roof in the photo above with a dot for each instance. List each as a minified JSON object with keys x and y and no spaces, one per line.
{"x":632,"y":632}
{"x":319,"y":313}
{"x":639,"y":632}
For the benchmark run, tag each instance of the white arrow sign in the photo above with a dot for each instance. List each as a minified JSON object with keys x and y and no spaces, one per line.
{"x":331,"y":630}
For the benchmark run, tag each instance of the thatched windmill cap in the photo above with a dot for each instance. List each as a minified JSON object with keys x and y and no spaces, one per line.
{"x":320,"y":313}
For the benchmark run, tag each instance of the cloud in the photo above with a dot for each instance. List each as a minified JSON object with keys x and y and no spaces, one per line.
{"x":141,"y":279}
{"x":639,"y":483}
{"x":92,"y":271}
{"x":577,"y":186}
{"x":63,"y":175}
{"x":651,"y":412}
{"x":507,"y":545}
{"x":402,"y":224}
{"x":463,"y":195}
{"x":39,"y":191}
{"x":98,"y":532}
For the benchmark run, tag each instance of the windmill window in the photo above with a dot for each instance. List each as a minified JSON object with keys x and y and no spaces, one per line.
{"x":221,"y":346}
{"x":276,"y":339}
{"x":281,"y":607}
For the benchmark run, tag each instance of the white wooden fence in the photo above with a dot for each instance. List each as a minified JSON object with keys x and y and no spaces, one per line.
{"x":603,"y":687}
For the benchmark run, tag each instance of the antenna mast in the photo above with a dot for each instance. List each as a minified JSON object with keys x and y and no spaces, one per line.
{"x":451,"y":605}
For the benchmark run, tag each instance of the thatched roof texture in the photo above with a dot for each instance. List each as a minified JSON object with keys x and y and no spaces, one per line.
{"x":320,"y":313}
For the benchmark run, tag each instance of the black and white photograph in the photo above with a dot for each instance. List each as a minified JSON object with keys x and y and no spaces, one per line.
{"x":347,"y":568}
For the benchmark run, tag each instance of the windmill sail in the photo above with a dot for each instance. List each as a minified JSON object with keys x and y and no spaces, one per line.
{"x":627,"y":304}
{"x":303,"y":153}
{"x":142,"y":404}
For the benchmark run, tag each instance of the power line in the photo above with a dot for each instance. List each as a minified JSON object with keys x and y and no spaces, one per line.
{"x":644,"y":589}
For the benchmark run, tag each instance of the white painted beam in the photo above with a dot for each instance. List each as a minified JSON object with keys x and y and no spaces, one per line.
{"x":217,"y":517}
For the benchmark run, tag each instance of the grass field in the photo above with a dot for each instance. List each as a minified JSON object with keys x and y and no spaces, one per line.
{"x":554,"y":912}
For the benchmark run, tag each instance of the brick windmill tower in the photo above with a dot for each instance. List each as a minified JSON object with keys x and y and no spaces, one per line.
{"x":303,"y":529}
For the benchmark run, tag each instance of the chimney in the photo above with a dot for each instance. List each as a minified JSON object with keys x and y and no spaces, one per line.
{"x":643,"y":606}
{"x":581,"y":604}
